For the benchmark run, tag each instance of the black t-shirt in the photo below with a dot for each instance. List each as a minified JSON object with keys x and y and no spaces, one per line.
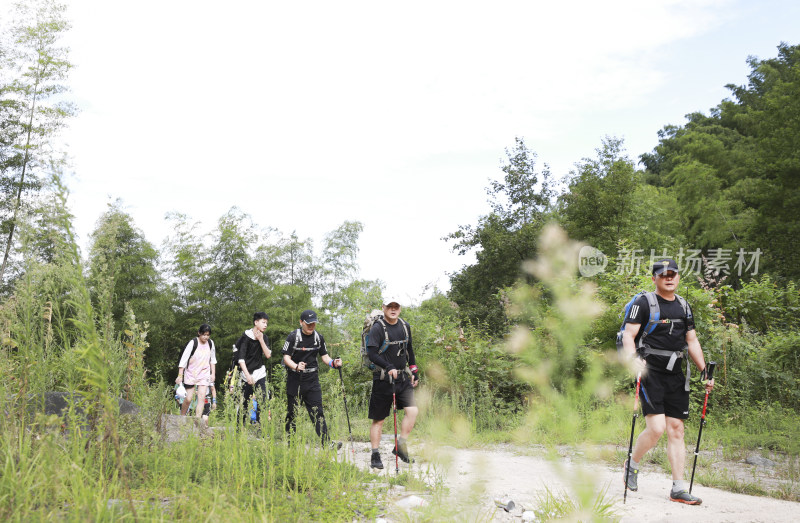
{"x":400,"y":352}
{"x":666,"y":336}
{"x":249,"y":350}
{"x":308,"y":348}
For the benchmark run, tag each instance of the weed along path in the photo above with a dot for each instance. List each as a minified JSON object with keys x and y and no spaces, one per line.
{"x":475,"y":478}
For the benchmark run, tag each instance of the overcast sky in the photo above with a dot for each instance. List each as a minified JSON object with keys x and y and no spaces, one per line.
{"x":395,"y":114}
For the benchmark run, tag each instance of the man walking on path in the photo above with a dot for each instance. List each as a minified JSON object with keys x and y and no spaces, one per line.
{"x":251,"y":349}
{"x":391,"y":350}
{"x":664,"y":388}
{"x":300,"y":353}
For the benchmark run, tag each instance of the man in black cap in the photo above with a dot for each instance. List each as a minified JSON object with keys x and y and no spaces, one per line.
{"x":391,"y":350}
{"x":659,"y":331}
{"x":300,"y":353}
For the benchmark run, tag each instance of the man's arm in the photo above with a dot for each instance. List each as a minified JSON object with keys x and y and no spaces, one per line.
{"x":327,"y":360}
{"x":412,"y":360}
{"x":696,"y":353}
{"x":287,"y":360}
{"x":635,"y":365}
{"x":264,"y":348}
{"x":376,"y":339}
{"x":247,"y":377}
{"x":242,"y":365}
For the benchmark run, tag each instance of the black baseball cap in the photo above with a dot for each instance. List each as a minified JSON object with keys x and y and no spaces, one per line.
{"x":664,"y":264}
{"x":308,"y":316}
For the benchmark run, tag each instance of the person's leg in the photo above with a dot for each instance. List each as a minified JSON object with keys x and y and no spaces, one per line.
{"x":676,"y":448}
{"x":260,"y":390}
{"x":247,"y":394}
{"x":291,"y":403}
{"x":409,"y":419}
{"x":187,"y":401}
{"x":312,"y":397}
{"x":375,"y":432}
{"x":655,"y":425}
{"x":202,"y":390}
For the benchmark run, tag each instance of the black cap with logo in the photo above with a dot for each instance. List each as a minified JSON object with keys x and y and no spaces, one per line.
{"x":664,"y":264}
{"x":308,"y":316}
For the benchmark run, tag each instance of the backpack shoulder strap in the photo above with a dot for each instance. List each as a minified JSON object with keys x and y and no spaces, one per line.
{"x":317,"y":343}
{"x":298,"y":337}
{"x":406,"y":326}
{"x":655,"y":312}
{"x":385,"y":344}
{"x":687,"y":311}
{"x":194,"y":348}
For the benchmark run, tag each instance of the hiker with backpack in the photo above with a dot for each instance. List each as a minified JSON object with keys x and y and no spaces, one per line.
{"x":199,"y":363}
{"x":658,"y":331}
{"x":300,"y":351}
{"x":249,"y":353}
{"x":390,"y":350}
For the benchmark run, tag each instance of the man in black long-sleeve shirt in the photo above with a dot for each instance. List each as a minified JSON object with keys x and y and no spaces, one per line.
{"x":390,"y":348}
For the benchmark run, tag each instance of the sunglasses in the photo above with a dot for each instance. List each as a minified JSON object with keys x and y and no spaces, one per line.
{"x":668,"y":274}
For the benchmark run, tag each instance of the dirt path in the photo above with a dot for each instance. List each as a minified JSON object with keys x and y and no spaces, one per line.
{"x":476,"y":477}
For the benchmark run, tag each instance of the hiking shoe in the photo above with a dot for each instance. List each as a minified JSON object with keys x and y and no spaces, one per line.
{"x":402,"y":454}
{"x":335,"y":445}
{"x":683,"y":496}
{"x":376,"y":462}
{"x":633,"y":477}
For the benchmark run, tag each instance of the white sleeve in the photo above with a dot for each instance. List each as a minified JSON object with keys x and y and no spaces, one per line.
{"x":214,"y":354}
{"x":185,"y":357}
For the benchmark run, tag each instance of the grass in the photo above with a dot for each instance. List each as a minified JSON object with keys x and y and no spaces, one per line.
{"x":48,"y":473}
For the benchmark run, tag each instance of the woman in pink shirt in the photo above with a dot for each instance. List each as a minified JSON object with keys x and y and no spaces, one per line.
{"x":199,"y":361}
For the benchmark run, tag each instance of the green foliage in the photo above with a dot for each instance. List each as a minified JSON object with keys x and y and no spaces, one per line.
{"x":598,"y":206}
{"x":735,"y":172}
{"x":462,"y":369}
{"x":502,"y":240}
{"x":32,"y":67}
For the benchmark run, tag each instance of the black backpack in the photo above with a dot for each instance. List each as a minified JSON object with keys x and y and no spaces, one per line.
{"x":654,"y":318}
{"x":372,"y":318}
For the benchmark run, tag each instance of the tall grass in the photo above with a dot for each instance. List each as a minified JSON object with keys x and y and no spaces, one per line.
{"x":96,"y":464}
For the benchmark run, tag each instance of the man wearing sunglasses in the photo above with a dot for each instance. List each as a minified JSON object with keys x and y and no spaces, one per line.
{"x":657,"y":345}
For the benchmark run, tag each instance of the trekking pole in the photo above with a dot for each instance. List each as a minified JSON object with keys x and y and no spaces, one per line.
{"x":344,"y":397}
{"x":709,"y":377}
{"x":633,"y":428}
{"x":394,"y":410}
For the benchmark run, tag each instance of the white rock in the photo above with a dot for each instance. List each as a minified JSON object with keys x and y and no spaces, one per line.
{"x":410,"y":502}
{"x":529,"y":515}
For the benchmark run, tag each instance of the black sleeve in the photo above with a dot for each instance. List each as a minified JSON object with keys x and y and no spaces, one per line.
{"x":376,"y":339}
{"x":288,"y":345}
{"x":323,"y":349}
{"x":412,"y":359}
{"x":241,"y":346}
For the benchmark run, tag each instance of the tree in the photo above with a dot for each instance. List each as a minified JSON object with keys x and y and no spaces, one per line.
{"x":503,"y":239}
{"x":607,"y":202}
{"x":33,"y":67}
{"x":736,"y":172}
{"x":122,"y":269}
{"x":339,"y":266}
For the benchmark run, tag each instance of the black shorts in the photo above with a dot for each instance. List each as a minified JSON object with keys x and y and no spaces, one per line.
{"x":380,"y":401}
{"x":664,"y":393}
